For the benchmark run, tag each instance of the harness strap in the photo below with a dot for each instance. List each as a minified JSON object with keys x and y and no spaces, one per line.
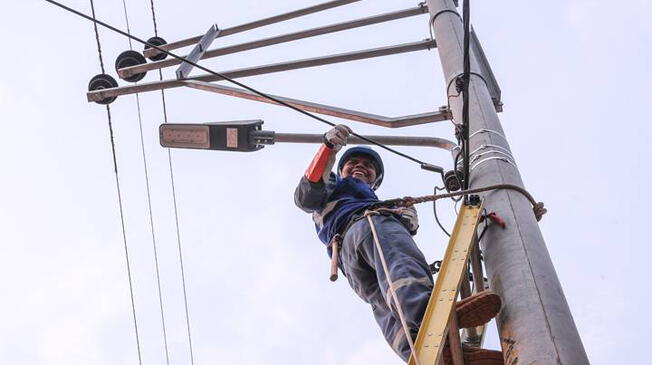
{"x":336,"y":242}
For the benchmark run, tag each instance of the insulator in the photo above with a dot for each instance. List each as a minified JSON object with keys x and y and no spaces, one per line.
{"x":103,"y":81}
{"x":156,"y":41}
{"x":128,"y":59}
{"x":451,"y":180}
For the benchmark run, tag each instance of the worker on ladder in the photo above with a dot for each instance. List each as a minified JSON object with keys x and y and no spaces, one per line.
{"x":338,"y":203}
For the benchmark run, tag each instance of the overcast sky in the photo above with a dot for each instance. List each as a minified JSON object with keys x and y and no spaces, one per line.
{"x":574,"y":76}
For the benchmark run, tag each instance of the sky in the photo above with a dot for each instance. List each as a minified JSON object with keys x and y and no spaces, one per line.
{"x":574,"y":77}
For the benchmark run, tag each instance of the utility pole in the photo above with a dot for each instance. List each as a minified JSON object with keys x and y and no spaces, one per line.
{"x":535,"y":324}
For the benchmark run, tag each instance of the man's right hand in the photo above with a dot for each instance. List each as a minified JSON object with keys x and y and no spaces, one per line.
{"x":337,"y":136}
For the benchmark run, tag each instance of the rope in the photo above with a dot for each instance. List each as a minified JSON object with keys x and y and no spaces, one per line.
{"x":120,"y":206}
{"x":537,"y":207}
{"x":390,"y":284}
{"x":175,"y":205}
{"x":149,"y":204}
{"x":244,"y":86}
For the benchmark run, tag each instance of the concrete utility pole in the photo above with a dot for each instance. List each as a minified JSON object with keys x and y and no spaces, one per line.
{"x":535,"y":324}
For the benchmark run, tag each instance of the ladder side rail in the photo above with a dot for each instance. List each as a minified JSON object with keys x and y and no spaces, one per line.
{"x":441,"y":306}
{"x":476,"y":268}
{"x":475,"y":336}
{"x":465,"y":292}
{"x":454,"y":342}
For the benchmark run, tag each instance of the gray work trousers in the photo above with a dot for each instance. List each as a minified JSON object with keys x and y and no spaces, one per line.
{"x":408,"y":271}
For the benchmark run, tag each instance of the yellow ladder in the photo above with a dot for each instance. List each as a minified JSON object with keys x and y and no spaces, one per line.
{"x":439,"y":318}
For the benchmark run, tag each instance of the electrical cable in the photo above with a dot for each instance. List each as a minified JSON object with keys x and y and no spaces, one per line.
{"x":120,"y":205}
{"x":260,"y":93}
{"x":456,"y":161}
{"x":434,"y":209}
{"x":175,"y":205}
{"x":466,"y":78}
{"x":151,"y":2}
{"x":149,"y":203}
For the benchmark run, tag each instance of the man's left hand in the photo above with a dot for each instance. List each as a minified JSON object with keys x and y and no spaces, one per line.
{"x":410,"y":219}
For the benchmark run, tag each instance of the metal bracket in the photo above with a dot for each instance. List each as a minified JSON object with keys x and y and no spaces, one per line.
{"x":389,"y":122}
{"x":485,"y":70}
{"x":197,"y":52}
{"x":271,"y":137}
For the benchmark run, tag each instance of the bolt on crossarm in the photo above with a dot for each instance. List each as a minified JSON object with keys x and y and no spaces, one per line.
{"x":535,"y":324}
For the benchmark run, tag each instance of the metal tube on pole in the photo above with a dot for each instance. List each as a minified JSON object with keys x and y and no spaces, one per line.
{"x":386,"y":140}
{"x":535,"y":324}
{"x":253,"y":25}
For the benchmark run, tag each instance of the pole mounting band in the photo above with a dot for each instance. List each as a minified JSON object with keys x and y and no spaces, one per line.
{"x":485,"y":130}
{"x":493,"y":158}
{"x":434,"y":17}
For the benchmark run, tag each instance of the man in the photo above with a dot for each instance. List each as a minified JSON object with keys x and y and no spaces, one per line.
{"x":337,"y":203}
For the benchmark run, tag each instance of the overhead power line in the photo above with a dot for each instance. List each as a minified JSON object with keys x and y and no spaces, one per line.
{"x":120,"y":207}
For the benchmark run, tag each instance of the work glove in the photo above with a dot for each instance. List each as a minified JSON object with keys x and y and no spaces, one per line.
{"x":409,"y":218}
{"x":337,"y":136}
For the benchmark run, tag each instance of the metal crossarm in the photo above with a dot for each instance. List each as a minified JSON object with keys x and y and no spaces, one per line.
{"x":427,"y":44}
{"x":279,"y":39}
{"x":433,"y":331}
{"x":253,"y":25}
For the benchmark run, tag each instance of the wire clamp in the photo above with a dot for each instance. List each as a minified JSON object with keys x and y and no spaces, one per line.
{"x":459,"y":76}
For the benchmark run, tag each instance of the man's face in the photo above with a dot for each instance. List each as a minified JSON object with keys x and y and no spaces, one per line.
{"x":360,"y":167}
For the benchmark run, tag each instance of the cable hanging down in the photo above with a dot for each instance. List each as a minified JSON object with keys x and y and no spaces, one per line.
{"x":466,"y":78}
{"x":149,"y":203}
{"x":424,"y":165}
{"x":175,"y":206}
{"x":120,"y":206}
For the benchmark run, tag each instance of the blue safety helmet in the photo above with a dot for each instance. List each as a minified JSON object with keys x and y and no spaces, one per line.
{"x":367,"y":152}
